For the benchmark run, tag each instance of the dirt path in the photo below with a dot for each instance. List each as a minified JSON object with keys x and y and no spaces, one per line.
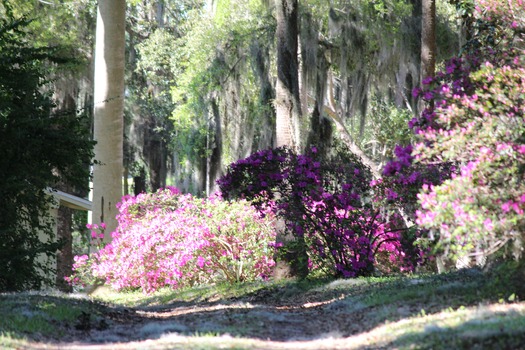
{"x":436,"y":312}
{"x":310,"y":321}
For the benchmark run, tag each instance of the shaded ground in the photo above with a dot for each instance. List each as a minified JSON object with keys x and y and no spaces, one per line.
{"x":461,"y":310}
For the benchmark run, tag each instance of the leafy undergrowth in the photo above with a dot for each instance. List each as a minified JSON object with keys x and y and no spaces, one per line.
{"x":461,"y":310}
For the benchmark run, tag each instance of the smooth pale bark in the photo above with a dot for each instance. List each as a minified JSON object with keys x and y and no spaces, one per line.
{"x":108,"y":112}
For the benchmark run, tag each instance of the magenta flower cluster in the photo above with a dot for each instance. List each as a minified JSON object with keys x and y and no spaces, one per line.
{"x":172,"y":239}
{"x":327,"y":203}
{"x":403,"y":178}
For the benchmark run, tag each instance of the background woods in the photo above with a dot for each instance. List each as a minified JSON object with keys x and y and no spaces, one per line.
{"x":202,"y":78}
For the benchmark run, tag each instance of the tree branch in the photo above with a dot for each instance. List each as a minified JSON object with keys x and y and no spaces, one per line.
{"x":332,"y":112}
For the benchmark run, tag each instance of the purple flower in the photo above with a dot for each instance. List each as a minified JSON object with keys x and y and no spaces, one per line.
{"x":427,"y":80}
{"x":391,"y":195}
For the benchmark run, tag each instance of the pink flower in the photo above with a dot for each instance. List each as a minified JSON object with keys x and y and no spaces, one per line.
{"x":517,"y":208}
{"x":489,"y":226}
{"x":200,"y":262}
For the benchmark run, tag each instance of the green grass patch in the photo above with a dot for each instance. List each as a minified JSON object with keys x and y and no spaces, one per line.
{"x":166,"y":296}
{"x":46,"y":315}
{"x":489,"y":326}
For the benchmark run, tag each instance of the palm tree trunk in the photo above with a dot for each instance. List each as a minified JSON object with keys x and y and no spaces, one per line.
{"x":108,"y":112}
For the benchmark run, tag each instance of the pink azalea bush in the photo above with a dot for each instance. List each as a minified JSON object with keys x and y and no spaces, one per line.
{"x":481,"y":206}
{"x":172,"y":239}
{"x":476,"y":126}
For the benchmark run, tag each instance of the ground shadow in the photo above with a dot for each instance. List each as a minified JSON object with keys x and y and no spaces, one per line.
{"x":301,"y":310}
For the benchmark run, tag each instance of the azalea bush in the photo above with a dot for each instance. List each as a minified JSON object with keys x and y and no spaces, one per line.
{"x":172,"y":239}
{"x":82,"y":265}
{"x":328,"y":202}
{"x":481,"y":205}
{"x":403,"y":179}
{"x":473,"y":134}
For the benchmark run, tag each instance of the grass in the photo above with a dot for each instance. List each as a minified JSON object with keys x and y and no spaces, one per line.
{"x":33,"y":315}
{"x":207,"y":293}
{"x":460,"y":310}
{"x":489,"y":326}
{"x":166,"y":296}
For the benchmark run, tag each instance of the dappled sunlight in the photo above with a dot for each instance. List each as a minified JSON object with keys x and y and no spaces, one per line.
{"x":425,"y":310}
{"x":451,"y":327}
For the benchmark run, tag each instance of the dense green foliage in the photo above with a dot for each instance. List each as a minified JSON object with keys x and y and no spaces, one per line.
{"x":222,"y":92}
{"x":39,"y":149}
{"x":212,"y":70}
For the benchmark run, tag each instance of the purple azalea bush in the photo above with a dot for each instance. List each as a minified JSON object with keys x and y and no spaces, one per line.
{"x":326,"y":201}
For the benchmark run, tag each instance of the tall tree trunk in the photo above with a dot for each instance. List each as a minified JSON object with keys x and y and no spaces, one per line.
{"x":428,"y":39}
{"x":288,"y":113}
{"x":287,"y":101}
{"x":108,"y":112}
{"x":65,"y":254}
{"x":214,"y":147}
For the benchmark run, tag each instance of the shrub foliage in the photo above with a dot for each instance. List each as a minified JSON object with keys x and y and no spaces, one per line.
{"x":170,"y":239}
{"x":328,"y":201}
{"x":473,"y":134}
